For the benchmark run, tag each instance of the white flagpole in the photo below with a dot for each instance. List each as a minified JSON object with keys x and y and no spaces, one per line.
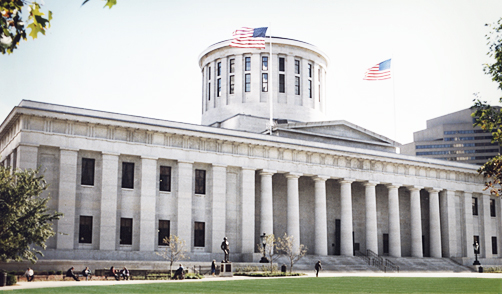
{"x":270,"y":88}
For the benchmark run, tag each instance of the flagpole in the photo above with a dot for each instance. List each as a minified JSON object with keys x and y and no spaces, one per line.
{"x":271,"y":87}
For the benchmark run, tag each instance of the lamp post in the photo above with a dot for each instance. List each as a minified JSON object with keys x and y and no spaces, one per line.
{"x":476,"y":252}
{"x":263,"y":239}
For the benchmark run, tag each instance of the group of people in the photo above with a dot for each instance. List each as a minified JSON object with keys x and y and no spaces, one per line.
{"x":86,"y":273}
{"x":123,"y":273}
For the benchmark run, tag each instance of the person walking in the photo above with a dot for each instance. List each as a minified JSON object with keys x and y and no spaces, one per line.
{"x":318,"y":267}
{"x":213,"y":267}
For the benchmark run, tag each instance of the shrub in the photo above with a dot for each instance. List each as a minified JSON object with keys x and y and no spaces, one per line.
{"x":193,"y":276}
{"x":496,"y":269}
{"x":11,"y":280}
{"x":51,"y":272}
{"x":59,"y":272}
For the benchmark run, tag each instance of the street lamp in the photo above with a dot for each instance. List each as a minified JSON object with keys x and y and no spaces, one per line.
{"x":476,"y":252}
{"x":263,"y":239}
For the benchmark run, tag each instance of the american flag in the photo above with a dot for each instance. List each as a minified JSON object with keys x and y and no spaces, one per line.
{"x":249,"y":38}
{"x":378,"y":72}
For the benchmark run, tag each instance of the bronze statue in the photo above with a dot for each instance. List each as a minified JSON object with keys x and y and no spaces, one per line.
{"x":226,"y":249}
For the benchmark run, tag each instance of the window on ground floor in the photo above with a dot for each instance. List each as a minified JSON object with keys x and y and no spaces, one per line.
{"x":199,"y":234}
{"x":126,"y":231}
{"x":164,"y":232}
{"x":494,"y":246}
{"x":476,"y":240}
{"x":385,"y":243}
{"x":85,"y":229}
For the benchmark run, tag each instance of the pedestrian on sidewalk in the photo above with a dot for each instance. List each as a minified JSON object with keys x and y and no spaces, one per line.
{"x":318,"y":267}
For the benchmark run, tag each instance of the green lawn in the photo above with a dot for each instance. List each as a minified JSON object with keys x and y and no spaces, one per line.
{"x":298,"y":285}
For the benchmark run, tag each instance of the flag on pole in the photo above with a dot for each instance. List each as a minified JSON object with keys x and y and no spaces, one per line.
{"x":378,"y":72}
{"x":249,"y":38}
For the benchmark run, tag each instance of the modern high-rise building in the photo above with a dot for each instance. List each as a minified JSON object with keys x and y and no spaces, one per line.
{"x":452,"y":137}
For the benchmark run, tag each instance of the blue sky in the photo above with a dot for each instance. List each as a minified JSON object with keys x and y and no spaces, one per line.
{"x":141,"y":57}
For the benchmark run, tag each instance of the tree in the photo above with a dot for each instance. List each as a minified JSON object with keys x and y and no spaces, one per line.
{"x":286,"y":247}
{"x":13,"y":26}
{"x":174,"y":251}
{"x":25,"y":220}
{"x":490,"y":118}
{"x":270,"y":250}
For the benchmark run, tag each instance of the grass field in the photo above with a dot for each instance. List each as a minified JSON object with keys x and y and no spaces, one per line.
{"x":298,"y":285}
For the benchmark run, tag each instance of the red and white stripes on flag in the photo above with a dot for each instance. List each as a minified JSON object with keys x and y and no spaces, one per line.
{"x":249,"y":38}
{"x":378,"y":72}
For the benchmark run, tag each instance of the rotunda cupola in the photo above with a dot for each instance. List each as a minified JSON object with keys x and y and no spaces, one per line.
{"x":238,"y":83}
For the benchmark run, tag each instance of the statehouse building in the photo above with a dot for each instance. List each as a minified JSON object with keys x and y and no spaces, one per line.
{"x":125,"y":182}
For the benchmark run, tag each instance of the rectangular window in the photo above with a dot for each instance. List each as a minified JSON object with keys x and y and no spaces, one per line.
{"x":209,"y":73}
{"x":297,"y":85}
{"x":209,"y":91}
{"x":87,"y":177}
{"x":474,"y":206}
{"x":281,"y":63}
{"x":248,"y":82}
{"x":164,"y":231}
{"x":165,"y":178}
{"x":264,"y":82}
{"x":319,"y":74}
{"x":218,"y":69}
{"x":492,"y":208}
{"x":200,"y":181}
{"x":264,"y":63}
{"x":282,"y":83}
{"x":128,"y":175}
{"x":310,"y":70}
{"x":218,"y":92}
{"x":232,"y":66}
{"x":231,"y":85}
{"x":297,"y":67}
{"x":126,"y":231}
{"x":310,"y":88}
{"x":199,"y":234}
{"x":247,"y":64}
{"x":85,"y":229}
{"x":494,"y":246}
{"x":385,"y":243}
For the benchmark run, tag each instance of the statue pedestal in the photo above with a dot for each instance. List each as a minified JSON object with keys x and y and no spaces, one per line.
{"x":226,"y":270}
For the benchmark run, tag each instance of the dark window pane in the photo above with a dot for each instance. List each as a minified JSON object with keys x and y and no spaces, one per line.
{"x":209,"y":73}
{"x":85,"y":229}
{"x":474,"y":206}
{"x":492,"y":208}
{"x":218,"y":92}
{"x":297,"y":67}
{"x":264,"y":63}
{"x":165,"y":178}
{"x":87,"y":172}
{"x":218,"y":69}
{"x":310,"y":70}
{"x":297,"y":85}
{"x":476,"y":240}
{"x":310,"y":89}
{"x":264,"y":82}
{"x":209,"y":91}
{"x":494,"y":245}
{"x":200,"y":181}
{"x":164,"y":231}
{"x":128,"y":175}
{"x":281,"y":63}
{"x":126,"y":231}
{"x":282,"y":85}
{"x":385,"y":243}
{"x":232,"y":85}
{"x":199,"y":234}
{"x":232,"y":65}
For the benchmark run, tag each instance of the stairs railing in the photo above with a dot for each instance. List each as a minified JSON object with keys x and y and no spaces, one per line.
{"x":380,"y":262}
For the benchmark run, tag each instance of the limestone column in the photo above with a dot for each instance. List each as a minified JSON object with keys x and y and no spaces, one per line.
{"x":485,"y":238}
{"x":434,"y":223}
{"x":108,"y":217}
{"x":416,"y":222}
{"x":394,"y":221}
{"x":66,"y":198}
{"x":266,"y":209}
{"x":27,"y":156}
{"x":184,"y":228}
{"x":468,"y":238}
{"x":449,"y":223}
{"x":293,"y":209}
{"x":321,"y":220}
{"x":219,"y":206}
{"x":371,"y":217}
{"x":147,"y":212}
{"x":346,"y":242}
{"x":248,"y":210}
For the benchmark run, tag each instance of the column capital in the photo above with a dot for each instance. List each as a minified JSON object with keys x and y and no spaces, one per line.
{"x":267,"y":172}
{"x":321,"y":178}
{"x":414,"y":188}
{"x":346,"y":181}
{"x":293,"y":175}
{"x":370,"y":183}
{"x":393,"y":185}
{"x":433,"y":190}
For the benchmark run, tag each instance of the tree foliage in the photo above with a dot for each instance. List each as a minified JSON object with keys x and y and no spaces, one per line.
{"x":285,"y":245}
{"x":13,"y":25}
{"x":174,"y":251}
{"x":25,"y":221}
{"x":490,"y":118}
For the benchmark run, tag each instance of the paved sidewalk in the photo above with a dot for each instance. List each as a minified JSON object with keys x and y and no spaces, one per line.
{"x":50,"y":284}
